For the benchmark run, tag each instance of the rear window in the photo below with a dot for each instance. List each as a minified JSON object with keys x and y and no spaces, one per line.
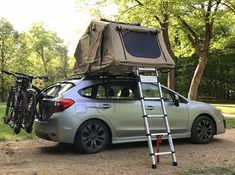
{"x":58,"y":90}
{"x":141,"y":44}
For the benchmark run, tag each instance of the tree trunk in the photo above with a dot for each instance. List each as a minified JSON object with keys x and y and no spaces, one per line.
{"x":2,"y":89}
{"x":171,"y":79}
{"x":165,"y":33}
{"x":197,"y":77}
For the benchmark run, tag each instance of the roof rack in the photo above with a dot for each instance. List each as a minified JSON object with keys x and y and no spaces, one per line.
{"x":108,"y":75}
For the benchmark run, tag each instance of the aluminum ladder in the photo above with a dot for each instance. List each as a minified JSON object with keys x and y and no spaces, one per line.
{"x":149,"y":134}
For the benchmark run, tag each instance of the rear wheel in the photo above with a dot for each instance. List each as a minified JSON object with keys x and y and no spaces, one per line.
{"x":31,"y":111}
{"x":203,"y":130}
{"x":92,"y":137}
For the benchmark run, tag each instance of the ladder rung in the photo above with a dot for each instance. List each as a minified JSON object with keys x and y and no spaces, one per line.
{"x":152,"y":98}
{"x":146,"y":69}
{"x":159,"y":134}
{"x":156,"y":116}
{"x":162,"y":153}
{"x":148,"y":79}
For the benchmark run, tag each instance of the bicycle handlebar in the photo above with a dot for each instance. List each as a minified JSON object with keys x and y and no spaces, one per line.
{"x":22,"y":75}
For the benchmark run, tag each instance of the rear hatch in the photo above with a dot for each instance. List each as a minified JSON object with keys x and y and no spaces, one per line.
{"x":51,"y":100}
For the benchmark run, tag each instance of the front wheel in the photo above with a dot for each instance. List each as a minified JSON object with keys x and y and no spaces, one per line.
{"x":92,"y":137}
{"x":203,"y":130}
{"x":20,"y":112}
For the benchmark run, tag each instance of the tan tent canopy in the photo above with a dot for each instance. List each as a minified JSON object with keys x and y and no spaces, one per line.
{"x":119,"y":47}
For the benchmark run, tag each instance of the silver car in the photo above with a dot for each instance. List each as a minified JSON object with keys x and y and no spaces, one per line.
{"x":95,"y":111}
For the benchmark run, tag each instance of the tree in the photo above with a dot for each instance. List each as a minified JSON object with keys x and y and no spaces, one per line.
{"x":64,"y":61}
{"x":8,"y":47}
{"x":203,"y":14}
{"x":43,"y":44}
{"x":153,"y":14}
{"x":197,"y":19}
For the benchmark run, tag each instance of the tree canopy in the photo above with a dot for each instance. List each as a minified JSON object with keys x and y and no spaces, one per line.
{"x":197,"y":28}
{"x":38,"y":51}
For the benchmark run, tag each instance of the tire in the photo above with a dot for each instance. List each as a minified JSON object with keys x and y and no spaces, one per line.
{"x":9,"y":113}
{"x":20,"y":112}
{"x":31,"y":111}
{"x":203,"y":130}
{"x":92,"y":137}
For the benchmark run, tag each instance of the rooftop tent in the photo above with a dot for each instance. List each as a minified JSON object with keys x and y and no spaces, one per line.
{"x":119,"y":47}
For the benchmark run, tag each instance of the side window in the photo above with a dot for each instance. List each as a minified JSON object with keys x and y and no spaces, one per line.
{"x":112,"y":91}
{"x":86,"y":92}
{"x":121,"y":91}
{"x":167,"y":95}
{"x":58,"y":90}
{"x":151,"y":90}
{"x":101,"y":92}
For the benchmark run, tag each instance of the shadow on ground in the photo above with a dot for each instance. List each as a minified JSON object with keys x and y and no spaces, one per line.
{"x":62,"y":148}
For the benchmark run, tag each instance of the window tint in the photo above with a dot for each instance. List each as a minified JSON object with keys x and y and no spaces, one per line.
{"x":101,"y":92}
{"x":151,"y":90}
{"x":86,"y":92}
{"x":58,"y":90}
{"x":141,"y":44}
{"x":124,"y":90}
{"x":112,"y":90}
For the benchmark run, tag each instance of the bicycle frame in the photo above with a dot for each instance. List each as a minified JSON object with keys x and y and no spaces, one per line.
{"x":23,"y":103}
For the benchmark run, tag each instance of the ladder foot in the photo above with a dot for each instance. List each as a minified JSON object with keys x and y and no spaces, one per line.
{"x":154,"y":166}
{"x":175,"y":164}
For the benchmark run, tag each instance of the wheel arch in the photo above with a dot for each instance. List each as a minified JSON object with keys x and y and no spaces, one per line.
{"x":210,"y":117}
{"x":105,"y":123}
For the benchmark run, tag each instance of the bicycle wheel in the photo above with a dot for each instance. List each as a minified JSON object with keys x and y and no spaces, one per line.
{"x":31,"y":111}
{"x":20,"y":112}
{"x":9,"y":113}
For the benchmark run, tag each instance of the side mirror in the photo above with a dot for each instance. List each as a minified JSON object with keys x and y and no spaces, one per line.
{"x":176,"y":101}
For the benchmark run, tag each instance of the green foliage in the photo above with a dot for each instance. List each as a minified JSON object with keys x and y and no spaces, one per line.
{"x":38,"y":51}
{"x":218,"y":80}
{"x":230,"y":123}
{"x":226,"y":108}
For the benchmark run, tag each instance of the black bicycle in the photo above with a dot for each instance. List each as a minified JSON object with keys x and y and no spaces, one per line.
{"x":21,"y":103}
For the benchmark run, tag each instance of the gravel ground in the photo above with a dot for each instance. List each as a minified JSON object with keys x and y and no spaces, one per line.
{"x":39,"y":157}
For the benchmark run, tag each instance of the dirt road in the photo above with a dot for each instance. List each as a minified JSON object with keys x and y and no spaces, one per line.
{"x":39,"y":157}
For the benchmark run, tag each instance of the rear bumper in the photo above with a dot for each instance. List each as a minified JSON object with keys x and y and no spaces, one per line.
{"x":47,"y":130}
{"x":60,"y":127}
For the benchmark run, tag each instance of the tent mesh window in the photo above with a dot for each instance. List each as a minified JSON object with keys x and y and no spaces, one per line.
{"x":141,"y":44}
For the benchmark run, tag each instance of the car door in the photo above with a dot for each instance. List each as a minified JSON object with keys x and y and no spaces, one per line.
{"x":177,"y":115}
{"x":117,"y":102}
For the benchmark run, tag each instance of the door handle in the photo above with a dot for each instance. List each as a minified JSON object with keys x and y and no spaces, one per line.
{"x":149,"y":108}
{"x":106,"y":106}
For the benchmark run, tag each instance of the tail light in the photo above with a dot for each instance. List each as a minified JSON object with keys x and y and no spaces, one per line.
{"x":62,"y":104}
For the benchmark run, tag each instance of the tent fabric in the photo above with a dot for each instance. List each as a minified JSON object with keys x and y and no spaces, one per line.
{"x":118,"y":47}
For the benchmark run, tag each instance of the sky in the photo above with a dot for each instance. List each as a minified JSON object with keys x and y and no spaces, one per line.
{"x":60,"y":16}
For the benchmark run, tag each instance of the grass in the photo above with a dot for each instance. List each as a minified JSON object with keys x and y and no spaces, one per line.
{"x":226,"y":108}
{"x":211,"y":170}
{"x":230,"y":122}
{"x":6,"y":132}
